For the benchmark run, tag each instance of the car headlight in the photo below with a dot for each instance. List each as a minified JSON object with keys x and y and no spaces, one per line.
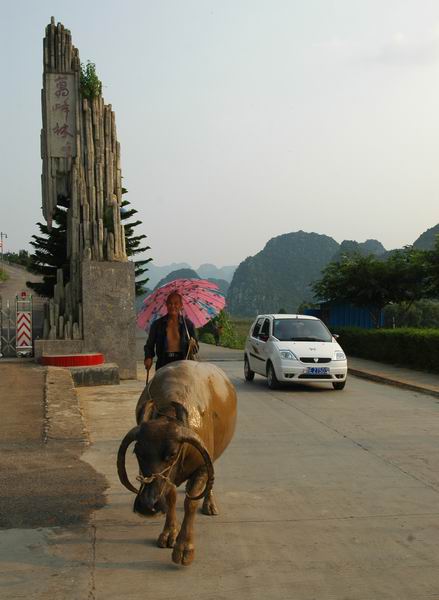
{"x":339,"y":356}
{"x":287,"y":355}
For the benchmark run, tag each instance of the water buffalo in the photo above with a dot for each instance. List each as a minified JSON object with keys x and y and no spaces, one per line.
{"x":185,"y":419}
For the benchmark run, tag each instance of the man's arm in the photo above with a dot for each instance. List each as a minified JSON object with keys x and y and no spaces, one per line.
{"x":150,"y":342}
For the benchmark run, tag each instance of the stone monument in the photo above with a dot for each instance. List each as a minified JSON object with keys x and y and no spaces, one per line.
{"x":94,"y":310}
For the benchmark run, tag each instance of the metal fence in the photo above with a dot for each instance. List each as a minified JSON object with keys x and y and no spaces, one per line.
{"x":16,"y":335}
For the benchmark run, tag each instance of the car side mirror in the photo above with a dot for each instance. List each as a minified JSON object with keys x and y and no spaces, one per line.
{"x":335,"y":336}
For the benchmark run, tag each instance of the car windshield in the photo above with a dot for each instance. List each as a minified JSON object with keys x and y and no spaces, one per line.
{"x":301,"y":330}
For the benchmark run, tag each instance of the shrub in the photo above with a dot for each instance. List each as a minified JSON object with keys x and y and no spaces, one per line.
{"x":207,"y":338}
{"x":408,"y":347}
{"x":90,"y":84}
{"x":230,"y":331}
{"x":18,"y":258}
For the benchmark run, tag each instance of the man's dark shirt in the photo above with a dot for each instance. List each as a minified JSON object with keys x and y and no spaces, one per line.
{"x":157,"y":338}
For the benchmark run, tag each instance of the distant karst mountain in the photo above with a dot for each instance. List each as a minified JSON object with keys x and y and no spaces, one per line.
{"x":222,"y":284}
{"x":209,"y":271}
{"x":348,"y":247}
{"x":155,"y":273}
{"x":178,"y":274}
{"x":280,"y":275}
{"x":426,"y":240}
{"x":205,"y":271}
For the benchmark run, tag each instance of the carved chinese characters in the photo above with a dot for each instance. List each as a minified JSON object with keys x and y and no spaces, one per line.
{"x":61,"y":114}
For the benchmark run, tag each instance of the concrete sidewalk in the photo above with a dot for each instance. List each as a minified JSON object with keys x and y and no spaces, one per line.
{"x":417,"y":381}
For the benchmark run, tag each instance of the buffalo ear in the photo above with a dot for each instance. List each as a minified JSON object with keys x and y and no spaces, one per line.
{"x":181,"y":413}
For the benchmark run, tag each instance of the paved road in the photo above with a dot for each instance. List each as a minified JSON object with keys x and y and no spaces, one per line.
{"x":324,"y":495}
{"x":15,"y":284}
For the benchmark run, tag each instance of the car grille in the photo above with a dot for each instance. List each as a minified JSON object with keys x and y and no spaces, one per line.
{"x":311,"y":359}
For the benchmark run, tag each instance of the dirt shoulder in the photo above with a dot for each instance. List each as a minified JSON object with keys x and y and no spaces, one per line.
{"x":43,"y":481}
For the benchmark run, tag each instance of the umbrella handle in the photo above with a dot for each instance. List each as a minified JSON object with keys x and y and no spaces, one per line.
{"x":147,"y":377}
{"x":185,"y":325}
{"x":192,"y":349}
{"x":191,"y":346}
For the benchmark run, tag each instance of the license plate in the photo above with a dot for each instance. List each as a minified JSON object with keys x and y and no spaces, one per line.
{"x":318,"y":370}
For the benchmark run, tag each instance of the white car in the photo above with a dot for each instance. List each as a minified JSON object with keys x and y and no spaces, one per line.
{"x":294,"y":348}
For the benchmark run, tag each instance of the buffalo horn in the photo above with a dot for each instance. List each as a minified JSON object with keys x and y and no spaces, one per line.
{"x":130,"y":437}
{"x":190,"y":437}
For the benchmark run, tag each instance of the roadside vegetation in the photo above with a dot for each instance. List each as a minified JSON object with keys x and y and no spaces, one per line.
{"x":241,"y":328}
{"x":407,"y":347}
{"x":403,"y":279}
{"x":402,"y":286}
{"x":3,"y":275}
{"x":232,"y":331}
{"x":21,"y":258}
{"x":421,"y":314}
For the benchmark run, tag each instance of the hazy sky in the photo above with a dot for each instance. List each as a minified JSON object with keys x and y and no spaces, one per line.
{"x":242,"y":120}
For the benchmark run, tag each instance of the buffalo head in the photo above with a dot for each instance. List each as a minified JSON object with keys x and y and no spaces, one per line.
{"x":157,"y":446}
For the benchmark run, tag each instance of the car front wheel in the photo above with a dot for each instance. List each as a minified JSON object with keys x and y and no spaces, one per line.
{"x":248,"y":373}
{"x":339,"y":385}
{"x":272,"y":380}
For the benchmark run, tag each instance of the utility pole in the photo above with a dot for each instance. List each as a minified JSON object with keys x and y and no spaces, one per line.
{"x":3,"y":236}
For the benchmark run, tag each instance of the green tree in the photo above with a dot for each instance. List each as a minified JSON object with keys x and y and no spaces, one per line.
{"x":407,"y":274}
{"x":371,"y":283}
{"x":432,"y":268}
{"x":420,"y":314}
{"x":134,"y":244}
{"x":89,"y":82}
{"x":304,"y":306}
{"x":50,"y":252}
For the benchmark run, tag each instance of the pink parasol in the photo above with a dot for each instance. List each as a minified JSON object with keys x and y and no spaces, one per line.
{"x":202,"y":301}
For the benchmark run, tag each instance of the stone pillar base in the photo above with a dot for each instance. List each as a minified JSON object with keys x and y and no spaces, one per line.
{"x":58,"y":347}
{"x":108,"y":313}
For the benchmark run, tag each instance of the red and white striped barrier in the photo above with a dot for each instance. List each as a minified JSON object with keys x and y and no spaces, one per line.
{"x":23,"y":335}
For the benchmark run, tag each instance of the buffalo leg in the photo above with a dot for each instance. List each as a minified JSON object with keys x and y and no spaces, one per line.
{"x":209,"y":505}
{"x":169,"y":534}
{"x":184,"y":550}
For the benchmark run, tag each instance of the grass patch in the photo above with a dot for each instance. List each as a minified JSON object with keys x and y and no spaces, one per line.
{"x":234,"y":331}
{"x":3,"y":275}
{"x":241,"y":327}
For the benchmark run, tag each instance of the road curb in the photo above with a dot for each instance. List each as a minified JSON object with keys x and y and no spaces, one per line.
{"x":407,"y":385}
{"x":63,"y":418}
